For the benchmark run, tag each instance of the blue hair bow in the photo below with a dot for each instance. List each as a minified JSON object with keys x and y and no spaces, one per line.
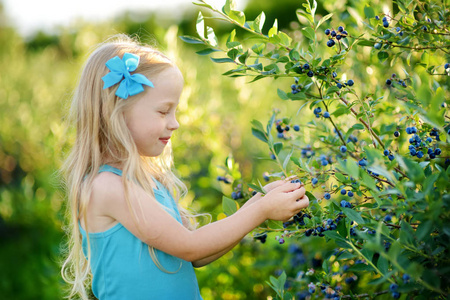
{"x":130,"y":85}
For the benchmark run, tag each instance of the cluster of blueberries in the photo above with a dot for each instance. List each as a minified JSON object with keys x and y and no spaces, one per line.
{"x":317,"y":111}
{"x":349,"y":82}
{"x":417,"y":143}
{"x":393,"y":79}
{"x":335,"y":36}
{"x":325,"y":160}
{"x":307,"y":152}
{"x":447,"y":67}
{"x":281,"y":131}
{"x":384,"y":20}
{"x":328,"y":291}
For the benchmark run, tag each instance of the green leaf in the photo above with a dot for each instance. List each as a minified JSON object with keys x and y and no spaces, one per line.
{"x":274,"y":30}
{"x":191,"y":40}
{"x":323,"y":20}
{"x":243,"y":57}
{"x":212,"y":39}
{"x":258,"y":48}
{"x":332,"y":89}
{"x":206,"y":51}
{"x":237,"y":16}
{"x":229,"y":206}
{"x":277,"y":147}
{"x":282,"y":94}
{"x":353,"y":215}
{"x":222,"y":60}
{"x":369,"y":12}
{"x":309,"y":33}
{"x":260,"y":135}
{"x":229,"y":6}
{"x":257,"y":188}
{"x":259,"y":22}
{"x":383,"y":264}
{"x":200,"y":26}
{"x":285,"y":39}
{"x":334,"y":236}
{"x":383,"y":55}
{"x":288,"y":158}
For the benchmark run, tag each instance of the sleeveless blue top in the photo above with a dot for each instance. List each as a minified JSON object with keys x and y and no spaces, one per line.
{"x":122,"y":267}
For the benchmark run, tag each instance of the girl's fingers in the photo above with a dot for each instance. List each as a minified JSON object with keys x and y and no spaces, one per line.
{"x":303,"y":202}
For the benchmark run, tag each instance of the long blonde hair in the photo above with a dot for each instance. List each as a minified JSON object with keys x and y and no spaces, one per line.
{"x":103,"y":137}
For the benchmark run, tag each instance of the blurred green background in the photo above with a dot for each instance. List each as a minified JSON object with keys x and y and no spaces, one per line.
{"x":38,"y":74}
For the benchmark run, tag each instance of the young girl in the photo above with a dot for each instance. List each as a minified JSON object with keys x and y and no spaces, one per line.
{"x":128,"y":234}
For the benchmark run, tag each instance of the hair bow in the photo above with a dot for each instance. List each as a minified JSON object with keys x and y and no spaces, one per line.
{"x":120,"y":69}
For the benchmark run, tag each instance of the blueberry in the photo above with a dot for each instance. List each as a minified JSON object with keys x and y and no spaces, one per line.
{"x":424,"y":28}
{"x":377,"y":46}
{"x":393,"y":287}
{"x":413,"y":152}
{"x":395,"y":295}
{"x":344,"y":203}
{"x":388,"y":218}
{"x":296,"y":181}
{"x":349,"y":280}
{"x":317,"y":110}
{"x":314,"y":181}
{"x":386,"y":24}
{"x":324,"y":162}
{"x":272,"y":156}
{"x":338,"y":37}
{"x":340,"y":28}
{"x":396,"y":134}
{"x":287,"y":128}
{"x":398,"y":29}
{"x":388,"y":81}
{"x":331,"y":43}
{"x":279,"y":128}
{"x":310,"y":73}
{"x":377,"y":18}
{"x":280,"y":135}
{"x":327,"y":196}
{"x":429,"y":140}
{"x":339,"y":85}
{"x":446,"y":66}
{"x":406,"y":278}
{"x":350,"y":194}
{"x":350,"y":82}
{"x":306,"y":66}
{"x":413,"y":129}
{"x":281,"y":241}
{"x":326,"y":114}
{"x":408,"y":130}
{"x":344,"y":33}
{"x":386,"y":152}
{"x":384,"y":19}
{"x":234,"y":195}
{"x":296,"y":127}
{"x":437,"y":151}
{"x":293,"y":87}
{"x":432,"y":156}
{"x":333,"y":33}
{"x":343,"y":149}
{"x":363,"y":162}
{"x":334,"y":74}
{"x":327,"y":31}
{"x":419,"y":154}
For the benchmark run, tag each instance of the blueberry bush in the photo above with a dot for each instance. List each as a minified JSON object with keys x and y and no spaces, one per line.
{"x":373,"y":154}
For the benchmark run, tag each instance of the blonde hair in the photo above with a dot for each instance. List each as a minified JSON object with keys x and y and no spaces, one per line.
{"x":102,"y":137}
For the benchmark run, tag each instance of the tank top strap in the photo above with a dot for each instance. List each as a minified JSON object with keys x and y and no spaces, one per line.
{"x":108,"y":168}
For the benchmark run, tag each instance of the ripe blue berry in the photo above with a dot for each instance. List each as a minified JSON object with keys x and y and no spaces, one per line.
{"x":386,"y":24}
{"x":386,"y":152}
{"x":396,"y":134}
{"x":405,"y":278}
{"x":343,"y":192}
{"x":419,"y":154}
{"x":326,"y":114}
{"x":331,"y":43}
{"x":339,"y":85}
{"x":327,"y":196}
{"x":343,"y":149}
{"x":324,"y":162}
{"x":363,"y":162}
{"x":384,"y":19}
{"x":446,"y":66}
{"x":333,"y":33}
{"x":377,"y":46}
{"x":327,"y":31}
{"x":350,"y":82}
{"x":429,"y":140}
{"x":338,"y":37}
{"x":377,"y":18}
{"x":340,"y":28}
{"x":395,"y":295}
{"x":296,"y":127}
{"x":314,"y":181}
{"x":393,"y":287}
{"x":388,"y":81}
{"x":306,"y":66}
{"x":388,"y":218}
{"x":437,"y":151}
{"x":310,"y":73}
{"x":350,"y":194}
{"x":334,"y":74}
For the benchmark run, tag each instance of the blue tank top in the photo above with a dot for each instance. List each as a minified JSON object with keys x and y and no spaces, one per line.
{"x":122,"y":267}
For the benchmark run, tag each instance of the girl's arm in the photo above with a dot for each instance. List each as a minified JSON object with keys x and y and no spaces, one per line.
{"x":258,"y":196}
{"x":148,"y":221}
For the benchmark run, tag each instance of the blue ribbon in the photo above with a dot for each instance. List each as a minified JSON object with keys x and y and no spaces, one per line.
{"x":130,"y":85}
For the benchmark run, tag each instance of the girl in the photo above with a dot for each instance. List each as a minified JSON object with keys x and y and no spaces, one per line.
{"x":127,"y":232}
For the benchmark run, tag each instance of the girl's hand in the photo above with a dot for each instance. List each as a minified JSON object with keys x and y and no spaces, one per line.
{"x":267,"y":188}
{"x":284,"y":201}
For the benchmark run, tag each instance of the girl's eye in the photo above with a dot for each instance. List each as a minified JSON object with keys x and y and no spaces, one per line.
{"x":164,"y":112}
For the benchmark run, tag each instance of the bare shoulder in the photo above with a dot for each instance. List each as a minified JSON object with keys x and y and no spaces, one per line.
{"x":107,"y":187}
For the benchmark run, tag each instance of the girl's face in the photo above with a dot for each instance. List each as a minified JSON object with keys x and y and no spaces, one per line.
{"x":151,"y":120}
